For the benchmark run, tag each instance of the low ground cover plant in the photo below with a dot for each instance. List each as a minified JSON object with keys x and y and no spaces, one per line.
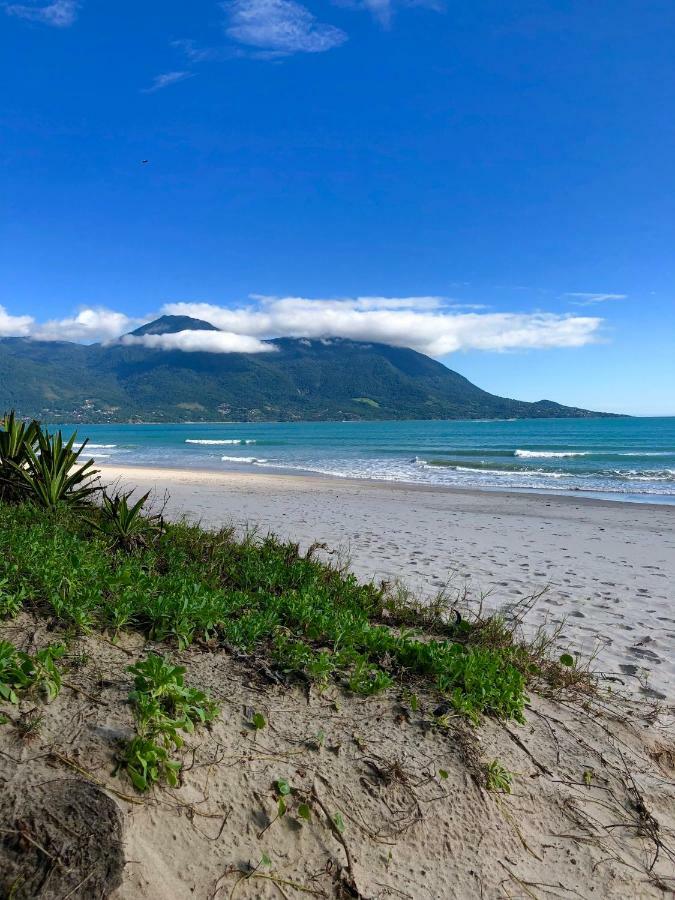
{"x":21,"y":673}
{"x":112,"y":567}
{"x":188,"y":585}
{"x":164,"y":707}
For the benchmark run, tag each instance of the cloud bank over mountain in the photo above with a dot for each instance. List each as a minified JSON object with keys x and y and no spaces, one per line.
{"x":433,"y":325}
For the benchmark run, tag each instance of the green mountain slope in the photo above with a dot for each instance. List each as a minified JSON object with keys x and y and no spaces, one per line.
{"x":312,"y":380}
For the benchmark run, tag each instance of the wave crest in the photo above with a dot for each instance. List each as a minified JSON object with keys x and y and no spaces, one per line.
{"x":217,"y":443}
{"x":548,"y":454}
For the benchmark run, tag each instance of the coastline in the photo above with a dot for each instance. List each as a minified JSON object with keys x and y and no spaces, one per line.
{"x":607,"y":566}
{"x":279,"y":476}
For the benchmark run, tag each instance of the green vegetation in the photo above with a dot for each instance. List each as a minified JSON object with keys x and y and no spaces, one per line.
{"x":124,"y":524}
{"x":302,"y":380}
{"x":41,"y":468}
{"x":21,"y":673}
{"x":163,"y":708}
{"x":189,"y":585}
{"x":113,"y":567}
{"x":16,"y":439}
{"x":498,"y":778}
{"x":50,"y":475}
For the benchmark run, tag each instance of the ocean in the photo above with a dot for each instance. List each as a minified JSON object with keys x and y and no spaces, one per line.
{"x":622,"y":459}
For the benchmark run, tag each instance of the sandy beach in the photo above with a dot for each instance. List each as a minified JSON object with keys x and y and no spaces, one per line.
{"x":230,"y":720}
{"x":609,"y":568}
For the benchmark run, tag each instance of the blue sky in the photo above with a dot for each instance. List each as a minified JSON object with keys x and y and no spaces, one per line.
{"x":509,"y":163}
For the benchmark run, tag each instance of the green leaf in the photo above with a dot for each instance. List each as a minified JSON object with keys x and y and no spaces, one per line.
{"x":283,"y":787}
{"x":138,"y":781}
{"x":265,"y":860}
{"x":339,"y":822}
{"x":258,"y":721}
{"x":281,"y":807}
{"x":442,"y":774}
{"x":567,"y":659}
{"x":304,"y":812}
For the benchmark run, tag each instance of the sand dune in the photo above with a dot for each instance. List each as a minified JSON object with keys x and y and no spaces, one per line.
{"x":609,"y":567}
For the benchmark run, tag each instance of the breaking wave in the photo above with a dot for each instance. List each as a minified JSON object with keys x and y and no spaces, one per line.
{"x":214,"y":443}
{"x":548,"y":454}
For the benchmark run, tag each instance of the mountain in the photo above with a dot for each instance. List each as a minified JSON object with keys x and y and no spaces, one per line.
{"x":303,"y":379}
{"x":172,"y":324}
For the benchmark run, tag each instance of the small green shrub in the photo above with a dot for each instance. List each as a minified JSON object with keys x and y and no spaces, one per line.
{"x":20,"y":672}
{"x":498,"y":778}
{"x":13,"y":674}
{"x":11,"y":599}
{"x":147,"y":762}
{"x":367,"y":679}
{"x":163,"y":708}
{"x":257,"y":721}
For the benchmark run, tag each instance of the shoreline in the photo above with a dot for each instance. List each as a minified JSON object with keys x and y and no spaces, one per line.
{"x":607,"y":567}
{"x":263,"y":472}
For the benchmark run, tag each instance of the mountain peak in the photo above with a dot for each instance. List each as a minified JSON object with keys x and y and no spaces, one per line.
{"x":303,"y":380}
{"x":173,"y":324}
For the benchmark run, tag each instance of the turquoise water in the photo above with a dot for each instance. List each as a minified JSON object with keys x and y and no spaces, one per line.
{"x":627,"y":459}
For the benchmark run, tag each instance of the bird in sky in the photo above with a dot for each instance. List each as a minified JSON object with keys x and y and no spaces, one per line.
{"x":144,"y":162}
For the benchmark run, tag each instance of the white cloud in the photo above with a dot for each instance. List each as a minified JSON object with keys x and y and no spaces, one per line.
{"x":432,"y":325}
{"x":365,"y":303}
{"x":14,"y":326}
{"x":422,"y":323}
{"x":60,"y":14}
{"x":201,"y":341}
{"x":166,"y":79}
{"x":582,"y":298}
{"x":87,"y":326}
{"x":279,"y":27}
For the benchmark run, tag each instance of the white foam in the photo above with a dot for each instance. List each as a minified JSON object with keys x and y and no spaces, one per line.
{"x":101,"y":446}
{"x":251,"y":460}
{"x":509,"y":473}
{"x":546,"y":454}
{"x":648,"y":453}
{"x":643,"y":474}
{"x":217,"y":443}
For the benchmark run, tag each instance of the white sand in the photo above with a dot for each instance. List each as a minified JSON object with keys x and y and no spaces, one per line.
{"x":586,"y":778}
{"x":610,"y":567}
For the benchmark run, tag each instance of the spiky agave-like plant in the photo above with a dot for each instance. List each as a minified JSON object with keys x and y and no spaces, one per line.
{"x":126,"y":524}
{"x":51,"y":474}
{"x":16,"y":438}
